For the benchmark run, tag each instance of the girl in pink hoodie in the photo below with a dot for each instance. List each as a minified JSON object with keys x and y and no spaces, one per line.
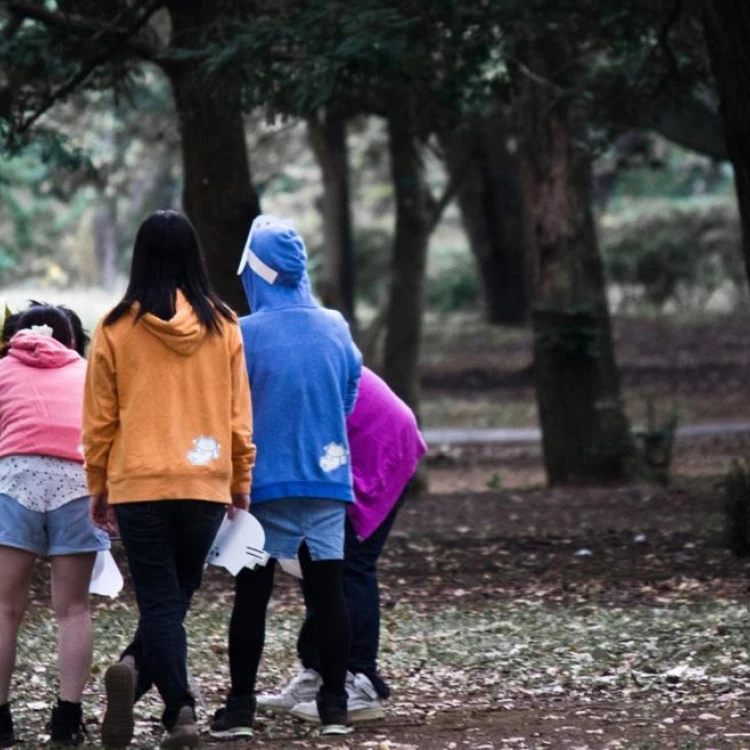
{"x":44,"y":505}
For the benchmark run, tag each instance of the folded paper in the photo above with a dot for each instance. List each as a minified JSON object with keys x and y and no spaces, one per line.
{"x":106,"y":580}
{"x":238,"y":544}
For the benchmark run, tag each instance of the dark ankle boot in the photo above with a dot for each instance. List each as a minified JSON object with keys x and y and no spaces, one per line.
{"x":332,"y":710}
{"x":66,"y":728}
{"x":235,"y":720}
{"x":7,"y":738}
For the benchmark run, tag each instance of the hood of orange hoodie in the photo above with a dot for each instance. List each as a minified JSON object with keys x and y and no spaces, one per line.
{"x":182,"y":333}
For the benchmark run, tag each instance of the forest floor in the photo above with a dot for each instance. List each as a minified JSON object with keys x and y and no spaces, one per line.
{"x":584,"y":618}
{"x":515,"y":617}
{"x":474,"y":375}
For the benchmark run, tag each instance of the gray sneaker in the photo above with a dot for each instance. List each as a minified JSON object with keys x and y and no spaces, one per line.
{"x":184,"y":735}
{"x":363,"y":703}
{"x":303,"y":687}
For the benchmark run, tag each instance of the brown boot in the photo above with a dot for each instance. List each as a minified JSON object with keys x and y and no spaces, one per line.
{"x":118,"y":724}
{"x":184,"y":734}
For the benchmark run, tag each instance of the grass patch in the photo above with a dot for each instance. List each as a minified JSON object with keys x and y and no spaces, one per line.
{"x":506,"y":655}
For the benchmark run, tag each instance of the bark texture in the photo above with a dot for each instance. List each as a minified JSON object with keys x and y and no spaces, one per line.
{"x":586,"y":435}
{"x":218,"y":193}
{"x":328,"y":141}
{"x":409,"y":261}
{"x":727,"y":27}
{"x":484,"y":168}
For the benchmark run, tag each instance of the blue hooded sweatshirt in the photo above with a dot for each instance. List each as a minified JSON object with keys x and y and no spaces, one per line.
{"x":304,"y":372}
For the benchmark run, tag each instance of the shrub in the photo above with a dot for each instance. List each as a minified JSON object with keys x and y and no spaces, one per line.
{"x":454,"y":289}
{"x":674,"y":252}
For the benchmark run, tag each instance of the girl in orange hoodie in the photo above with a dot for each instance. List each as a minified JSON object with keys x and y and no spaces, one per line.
{"x":167,"y":442}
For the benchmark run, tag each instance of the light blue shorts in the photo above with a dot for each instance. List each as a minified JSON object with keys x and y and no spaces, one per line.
{"x":64,"y":531}
{"x":292,"y":520}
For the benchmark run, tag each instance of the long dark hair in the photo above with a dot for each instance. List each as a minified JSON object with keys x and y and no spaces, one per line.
{"x":48,"y":315}
{"x":167,"y":257}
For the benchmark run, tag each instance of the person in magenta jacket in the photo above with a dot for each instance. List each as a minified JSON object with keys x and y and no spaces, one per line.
{"x":385,"y":447}
{"x":44,"y":506}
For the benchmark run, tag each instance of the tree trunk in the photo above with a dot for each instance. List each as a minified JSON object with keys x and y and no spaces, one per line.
{"x":328,"y":141}
{"x":106,"y":241}
{"x":478,"y":158}
{"x":727,"y":27}
{"x":218,"y":194}
{"x":585,"y":433}
{"x":409,"y":262}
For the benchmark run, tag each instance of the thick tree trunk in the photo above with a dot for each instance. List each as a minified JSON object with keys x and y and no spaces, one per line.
{"x":408,"y":265}
{"x":106,"y":241}
{"x":218,"y":193}
{"x":489,"y":195}
{"x":727,"y":27}
{"x":586,"y":435}
{"x":328,"y":141}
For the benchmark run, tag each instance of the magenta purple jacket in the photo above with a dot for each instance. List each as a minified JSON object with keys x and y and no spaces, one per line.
{"x":385,"y":446}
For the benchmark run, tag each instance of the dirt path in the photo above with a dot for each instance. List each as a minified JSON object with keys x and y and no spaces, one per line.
{"x":599,"y":724}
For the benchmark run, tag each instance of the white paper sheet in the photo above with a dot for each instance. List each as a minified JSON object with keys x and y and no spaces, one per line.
{"x":238,"y":544}
{"x":106,"y":580}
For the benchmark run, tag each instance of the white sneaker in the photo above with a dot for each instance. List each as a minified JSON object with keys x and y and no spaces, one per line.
{"x":302,"y":688}
{"x":363,"y":702}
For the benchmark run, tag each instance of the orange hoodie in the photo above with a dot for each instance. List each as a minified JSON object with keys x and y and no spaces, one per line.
{"x":166,"y":412}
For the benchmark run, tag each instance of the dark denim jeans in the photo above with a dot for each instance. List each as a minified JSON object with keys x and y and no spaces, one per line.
{"x":363,"y":602}
{"x":166,"y":542}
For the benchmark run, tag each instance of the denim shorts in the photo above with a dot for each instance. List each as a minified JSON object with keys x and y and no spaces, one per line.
{"x":290,"y":521}
{"x":64,"y":531}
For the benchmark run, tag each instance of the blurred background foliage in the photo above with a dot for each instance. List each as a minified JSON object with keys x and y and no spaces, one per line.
{"x":668,"y":222}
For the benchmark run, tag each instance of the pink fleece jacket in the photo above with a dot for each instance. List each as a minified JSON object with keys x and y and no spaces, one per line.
{"x":41,"y":398}
{"x":385,"y":447}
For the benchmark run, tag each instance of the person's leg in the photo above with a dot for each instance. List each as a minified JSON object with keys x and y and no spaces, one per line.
{"x":196,"y":527}
{"x":17,"y":566}
{"x":324,"y":582}
{"x":247,"y":630}
{"x":363,"y":598}
{"x":71,"y":575}
{"x":132,"y":656}
{"x":307,"y":649}
{"x":304,"y":685}
{"x":148,"y":534}
{"x":247,"y":626}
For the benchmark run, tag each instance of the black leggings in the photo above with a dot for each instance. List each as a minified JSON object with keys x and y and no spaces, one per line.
{"x":324,"y":581}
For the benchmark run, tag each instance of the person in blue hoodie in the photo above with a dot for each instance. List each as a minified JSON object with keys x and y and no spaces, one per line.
{"x":304,"y":372}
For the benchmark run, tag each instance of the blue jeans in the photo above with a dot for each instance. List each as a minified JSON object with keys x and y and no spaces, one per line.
{"x":363,"y":602}
{"x":166,"y":542}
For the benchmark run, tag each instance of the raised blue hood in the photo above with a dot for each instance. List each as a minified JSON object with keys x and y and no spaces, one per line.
{"x":273,"y":269}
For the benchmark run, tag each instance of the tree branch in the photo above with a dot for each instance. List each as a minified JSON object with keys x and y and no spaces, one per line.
{"x":125,"y":38}
{"x":439,"y":206}
{"x":83,"y":26}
